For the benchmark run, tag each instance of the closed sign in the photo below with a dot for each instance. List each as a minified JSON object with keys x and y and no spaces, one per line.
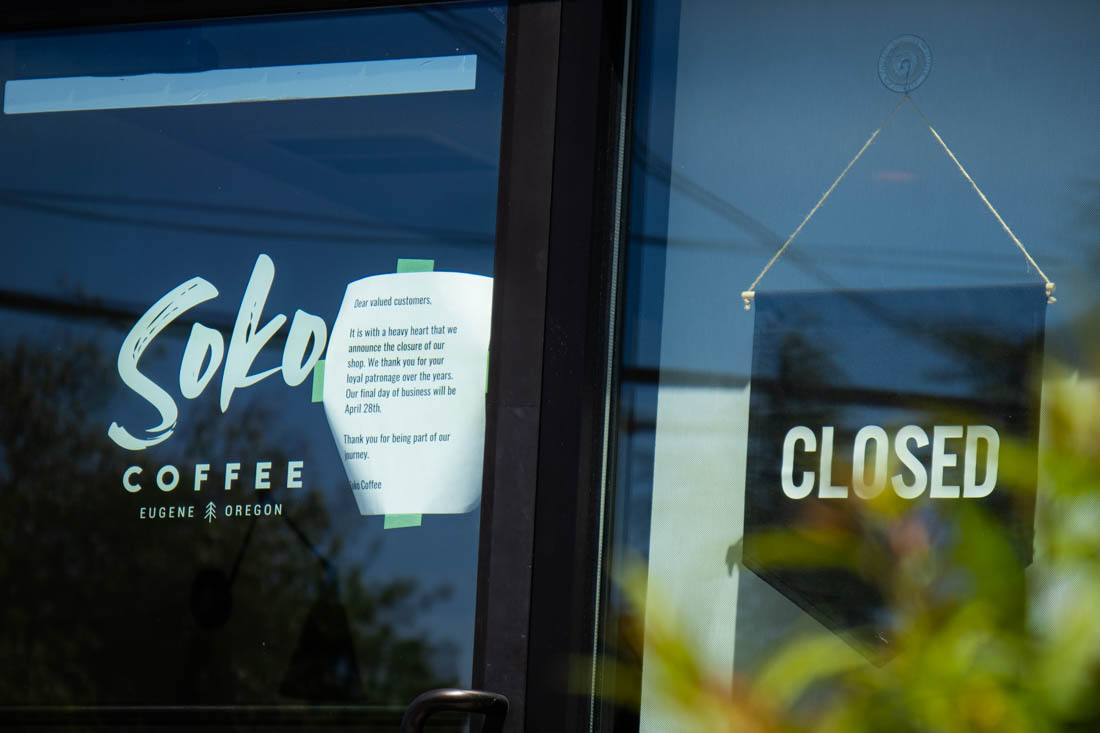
{"x":911,"y":393}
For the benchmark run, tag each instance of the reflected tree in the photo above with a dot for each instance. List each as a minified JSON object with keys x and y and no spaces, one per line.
{"x":104,"y":608}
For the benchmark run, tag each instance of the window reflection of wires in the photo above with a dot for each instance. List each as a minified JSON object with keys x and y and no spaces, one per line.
{"x":768,"y":241}
{"x":764,"y":239}
{"x":92,"y":207}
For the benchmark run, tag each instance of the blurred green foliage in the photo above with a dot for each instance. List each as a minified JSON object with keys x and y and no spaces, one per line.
{"x":977,"y":644}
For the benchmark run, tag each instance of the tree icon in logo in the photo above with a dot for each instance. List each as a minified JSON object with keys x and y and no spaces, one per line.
{"x":211,"y":511}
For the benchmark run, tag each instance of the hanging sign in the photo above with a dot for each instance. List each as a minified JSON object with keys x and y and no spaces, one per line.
{"x":859,"y":393}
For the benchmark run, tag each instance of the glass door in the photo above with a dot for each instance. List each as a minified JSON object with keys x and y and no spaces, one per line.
{"x":845,"y":222}
{"x":246,"y":319}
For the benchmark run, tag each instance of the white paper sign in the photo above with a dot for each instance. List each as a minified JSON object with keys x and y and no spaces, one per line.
{"x":404,"y":390}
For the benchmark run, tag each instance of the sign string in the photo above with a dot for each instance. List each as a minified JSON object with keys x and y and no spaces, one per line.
{"x":750,"y":293}
{"x":1004,"y":225}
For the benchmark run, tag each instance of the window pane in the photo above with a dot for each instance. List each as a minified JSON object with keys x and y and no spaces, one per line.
{"x":207,"y":549}
{"x":746,"y":113}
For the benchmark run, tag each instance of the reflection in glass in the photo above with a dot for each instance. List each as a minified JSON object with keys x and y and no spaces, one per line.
{"x":226,"y":564}
{"x":745,"y":113}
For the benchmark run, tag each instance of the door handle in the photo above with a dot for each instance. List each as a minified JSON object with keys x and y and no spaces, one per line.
{"x":493,"y":706}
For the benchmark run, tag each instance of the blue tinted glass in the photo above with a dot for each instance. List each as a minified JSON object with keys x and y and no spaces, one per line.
{"x":745,"y":115}
{"x":318,"y":149}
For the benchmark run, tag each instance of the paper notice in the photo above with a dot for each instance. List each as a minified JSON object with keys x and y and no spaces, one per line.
{"x":404,"y":390}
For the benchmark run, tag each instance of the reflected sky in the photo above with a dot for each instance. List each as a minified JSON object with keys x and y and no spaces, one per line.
{"x":773,"y":100}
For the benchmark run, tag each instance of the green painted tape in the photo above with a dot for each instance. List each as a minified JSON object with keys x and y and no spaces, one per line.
{"x":404,"y":265}
{"x":319,"y":380}
{"x":397,"y":521}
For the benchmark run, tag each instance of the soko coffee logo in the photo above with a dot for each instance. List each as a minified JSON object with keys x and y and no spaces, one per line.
{"x":906,"y":391}
{"x":304,"y":345}
{"x":204,"y":355}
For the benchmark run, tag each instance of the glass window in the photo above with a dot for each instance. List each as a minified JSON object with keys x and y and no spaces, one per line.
{"x":183,"y":208}
{"x":895,"y":304}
